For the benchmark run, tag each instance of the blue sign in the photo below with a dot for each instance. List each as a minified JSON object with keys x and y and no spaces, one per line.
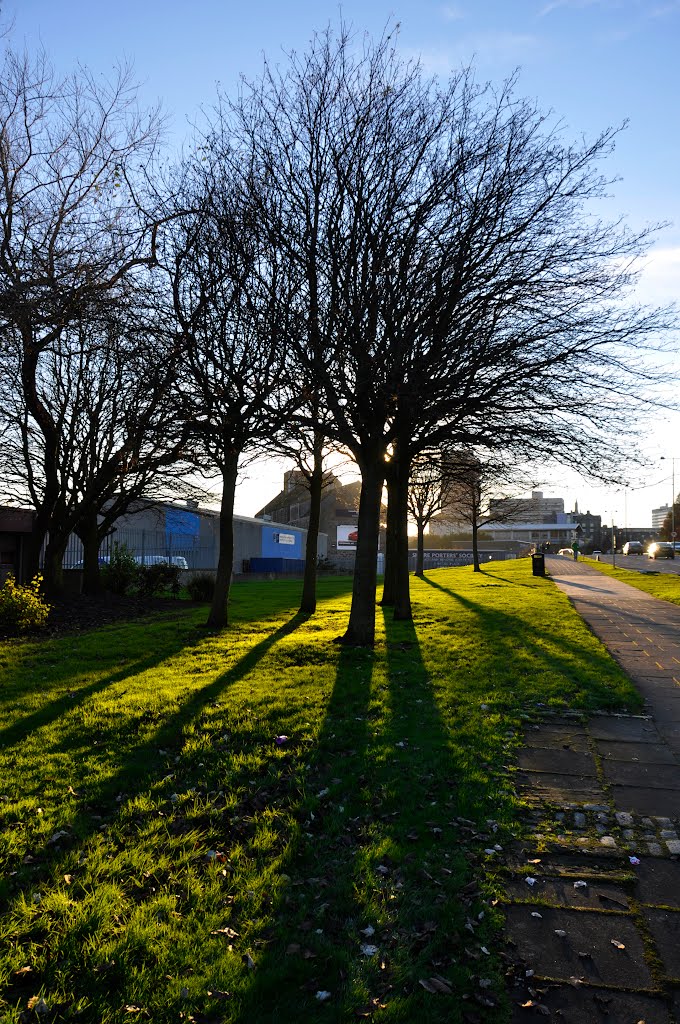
{"x":278,"y":542}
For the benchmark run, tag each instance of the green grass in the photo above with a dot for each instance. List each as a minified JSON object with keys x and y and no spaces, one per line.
{"x":164,"y":858}
{"x":665,"y":586}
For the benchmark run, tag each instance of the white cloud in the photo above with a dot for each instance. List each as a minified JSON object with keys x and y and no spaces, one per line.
{"x":486,"y":47}
{"x":451,"y":12}
{"x":659,"y":281}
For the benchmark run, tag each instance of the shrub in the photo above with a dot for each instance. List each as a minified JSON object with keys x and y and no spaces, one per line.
{"x":21,"y":607}
{"x":156,"y":580}
{"x":201,"y":587}
{"x":121,"y":573}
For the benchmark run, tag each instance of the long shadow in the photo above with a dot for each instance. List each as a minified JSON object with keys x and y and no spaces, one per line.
{"x":385,"y":854}
{"x":50,"y":712}
{"x":320,"y":859}
{"x":26,"y":726}
{"x":544,"y":644}
{"x":140,"y":768}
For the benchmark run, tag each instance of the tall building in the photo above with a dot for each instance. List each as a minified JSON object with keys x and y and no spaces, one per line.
{"x":536,"y":509}
{"x":658,"y":516}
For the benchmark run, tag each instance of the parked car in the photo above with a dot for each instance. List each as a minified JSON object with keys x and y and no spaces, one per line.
{"x":103,"y":560}
{"x":567,"y":552}
{"x":661,"y":549}
{"x":633,"y":547}
{"x":178,"y":560}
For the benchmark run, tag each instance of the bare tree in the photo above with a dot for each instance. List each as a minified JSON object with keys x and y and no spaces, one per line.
{"x":74,"y":152}
{"x":448,"y":280}
{"x":106,"y":390}
{"x":230,"y":305}
{"x":433,"y":485}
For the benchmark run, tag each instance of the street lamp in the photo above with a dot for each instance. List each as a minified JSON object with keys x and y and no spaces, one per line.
{"x":672,"y":458}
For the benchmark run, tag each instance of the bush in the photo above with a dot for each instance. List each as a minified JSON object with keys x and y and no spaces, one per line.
{"x":121,"y":573}
{"x":156,"y":580}
{"x":201,"y":588}
{"x":21,"y":607}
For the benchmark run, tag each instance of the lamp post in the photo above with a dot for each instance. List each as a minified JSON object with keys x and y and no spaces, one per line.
{"x":672,"y":458}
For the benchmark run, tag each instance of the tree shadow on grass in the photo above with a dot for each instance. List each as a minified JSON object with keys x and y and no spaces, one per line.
{"x":141,"y":763}
{"x":516,"y":654}
{"x":377,"y":848}
{"x":317,"y":906}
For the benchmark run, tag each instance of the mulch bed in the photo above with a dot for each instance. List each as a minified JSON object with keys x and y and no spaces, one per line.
{"x":77,"y":614}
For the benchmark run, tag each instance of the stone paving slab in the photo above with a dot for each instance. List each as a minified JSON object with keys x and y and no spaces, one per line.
{"x":636,"y":773}
{"x":591,"y":1006}
{"x":647,"y":800}
{"x":564,"y":762}
{"x":557,"y":956}
{"x":665,"y":928}
{"x":659,"y":883}
{"x":635,"y":730}
{"x":573,"y":864}
{"x":554,"y":737}
{"x":559,"y":789}
{"x":668,"y":710}
{"x":596,"y":895}
{"x":644,"y":753}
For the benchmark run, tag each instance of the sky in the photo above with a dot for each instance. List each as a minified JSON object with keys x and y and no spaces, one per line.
{"x":595,"y":63}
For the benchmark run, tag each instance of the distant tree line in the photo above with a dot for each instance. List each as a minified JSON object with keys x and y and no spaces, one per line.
{"x":350,"y":257}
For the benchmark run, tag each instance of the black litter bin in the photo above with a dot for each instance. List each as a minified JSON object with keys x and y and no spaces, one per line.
{"x":537,"y":564}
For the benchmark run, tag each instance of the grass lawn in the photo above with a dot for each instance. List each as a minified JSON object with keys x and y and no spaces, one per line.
{"x":658,"y":584}
{"x":261,"y":825}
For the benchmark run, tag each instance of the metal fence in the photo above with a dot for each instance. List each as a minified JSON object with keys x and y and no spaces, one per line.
{"x":147,"y":546}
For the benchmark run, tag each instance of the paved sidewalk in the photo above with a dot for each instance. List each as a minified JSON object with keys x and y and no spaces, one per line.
{"x":593,"y":935}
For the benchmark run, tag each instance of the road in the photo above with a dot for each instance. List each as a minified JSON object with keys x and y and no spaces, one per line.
{"x":643,"y":564}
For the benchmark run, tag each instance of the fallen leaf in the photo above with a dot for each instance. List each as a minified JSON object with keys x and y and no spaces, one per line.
{"x":615,"y":942}
{"x":368,"y":950}
{"x":368,"y":931}
{"x":68,"y":879}
{"x":561,"y":932}
{"x":322,"y":995}
{"x":38,"y":1005}
{"x":435,"y":985}
{"x":229,"y":932}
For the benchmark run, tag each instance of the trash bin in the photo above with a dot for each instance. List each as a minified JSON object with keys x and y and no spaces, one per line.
{"x":538,"y":564}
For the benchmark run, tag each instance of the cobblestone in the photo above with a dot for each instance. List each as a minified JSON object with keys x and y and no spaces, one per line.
{"x":624,"y":818}
{"x":673,"y":846}
{"x":579,"y":819}
{"x":655,"y":850}
{"x":668,"y":833}
{"x":608,"y":841}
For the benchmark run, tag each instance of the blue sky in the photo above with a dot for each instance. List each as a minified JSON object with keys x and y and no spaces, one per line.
{"x":595,"y":63}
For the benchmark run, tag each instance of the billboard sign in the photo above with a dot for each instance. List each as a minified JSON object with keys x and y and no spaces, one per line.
{"x":347,"y":537}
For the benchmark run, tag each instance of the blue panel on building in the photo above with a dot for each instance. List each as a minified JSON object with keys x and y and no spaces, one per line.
{"x":177,"y":521}
{"x":278,"y":542}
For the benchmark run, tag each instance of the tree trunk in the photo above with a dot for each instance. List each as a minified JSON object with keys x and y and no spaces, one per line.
{"x":475,"y":545}
{"x":361,"y":626}
{"x":308,"y":601}
{"x":52,"y":564}
{"x":391,"y":544}
{"x":218,"y":617}
{"x":89,"y":535}
{"x":402,"y":596}
{"x":420,"y":553}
